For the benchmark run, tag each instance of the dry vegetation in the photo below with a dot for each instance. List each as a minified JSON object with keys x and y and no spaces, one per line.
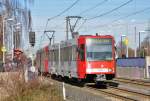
{"x":13,"y":88}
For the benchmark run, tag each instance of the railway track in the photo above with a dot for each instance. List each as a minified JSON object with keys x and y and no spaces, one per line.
{"x":145,"y":83}
{"x":116,"y":93}
{"x":122,"y":94}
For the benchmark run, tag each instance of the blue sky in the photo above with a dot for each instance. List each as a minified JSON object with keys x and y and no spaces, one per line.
{"x":44,"y":9}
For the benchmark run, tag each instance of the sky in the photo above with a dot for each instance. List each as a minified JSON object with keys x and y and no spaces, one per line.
{"x":121,"y":21}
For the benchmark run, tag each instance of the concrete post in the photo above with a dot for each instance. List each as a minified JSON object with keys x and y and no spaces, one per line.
{"x":147,"y":69}
{"x":64,"y":92}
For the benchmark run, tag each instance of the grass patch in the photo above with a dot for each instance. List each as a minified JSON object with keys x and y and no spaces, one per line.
{"x":36,"y":90}
{"x":42,"y":93}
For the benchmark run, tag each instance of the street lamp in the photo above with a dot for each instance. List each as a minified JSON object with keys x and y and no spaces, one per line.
{"x":121,"y":44}
{"x":4,"y":49}
{"x":140,"y":40}
{"x":133,"y":22}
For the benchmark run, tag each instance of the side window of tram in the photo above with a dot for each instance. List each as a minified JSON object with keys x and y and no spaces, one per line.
{"x":81,"y":52}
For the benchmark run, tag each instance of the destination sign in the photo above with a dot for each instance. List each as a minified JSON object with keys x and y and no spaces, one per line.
{"x":99,"y":41}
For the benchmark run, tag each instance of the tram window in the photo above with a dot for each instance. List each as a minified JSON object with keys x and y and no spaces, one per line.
{"x":81,"y":52}
{"x":70,"y":54}
{"x":53,"y":56}
{"x":62,"y":56}
{"x":65,"y":54}
{"x":49,"y":55}
{"x":74,"y":50}
{"x":57,"y":53}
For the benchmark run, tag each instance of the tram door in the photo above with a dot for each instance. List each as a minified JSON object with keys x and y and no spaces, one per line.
{"x":81,"y":60}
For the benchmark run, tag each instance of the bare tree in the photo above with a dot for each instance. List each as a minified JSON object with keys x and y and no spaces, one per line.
{"x":19,"y":10}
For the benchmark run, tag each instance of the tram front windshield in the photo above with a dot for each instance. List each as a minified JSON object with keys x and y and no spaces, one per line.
{"x":98,"y":49}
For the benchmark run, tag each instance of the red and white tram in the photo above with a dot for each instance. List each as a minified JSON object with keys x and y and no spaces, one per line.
{"x":87,"y":58}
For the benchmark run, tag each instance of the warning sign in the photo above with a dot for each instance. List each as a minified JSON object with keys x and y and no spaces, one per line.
{"x":126,"y":41}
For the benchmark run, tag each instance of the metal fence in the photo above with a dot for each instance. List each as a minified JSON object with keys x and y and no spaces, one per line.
{"x":131,"y":62}
{"x":133,"y":68}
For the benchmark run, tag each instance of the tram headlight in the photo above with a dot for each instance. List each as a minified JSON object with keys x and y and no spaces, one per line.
{"x":88,"y":65}
{"x":110,"y":70}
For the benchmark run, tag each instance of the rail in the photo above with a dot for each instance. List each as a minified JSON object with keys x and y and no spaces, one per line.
{"x":122,"y":94}
{"x":133,"y":81}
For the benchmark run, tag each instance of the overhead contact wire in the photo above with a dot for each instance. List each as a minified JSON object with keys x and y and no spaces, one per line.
{"x":95,"y":6}
{"x":108,"y":12}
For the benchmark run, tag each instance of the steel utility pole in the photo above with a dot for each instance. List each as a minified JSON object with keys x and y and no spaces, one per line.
{"x":67,"y":21}
{"x":52,"y":36}
{"x":4,"y":40}
{"x":139,"y":43}
{"x":135,"y":42}
{"x":71,"y":27}
{"x":121,"y":47}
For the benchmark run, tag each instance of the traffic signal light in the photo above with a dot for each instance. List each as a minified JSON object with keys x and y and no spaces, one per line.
{"x":32,"y":38}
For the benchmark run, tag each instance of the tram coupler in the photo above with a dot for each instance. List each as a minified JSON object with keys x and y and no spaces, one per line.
{"x":100,"y":77}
